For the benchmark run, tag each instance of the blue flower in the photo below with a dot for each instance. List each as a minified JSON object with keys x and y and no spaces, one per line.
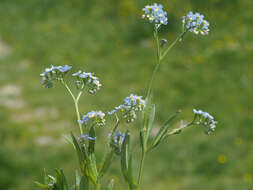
{"x":132,"y":104}
{"x":154,"y":13}
{"x":53,"y":73}
{"x":55,"y":70}
{"x":93,"y":117}
{"x":64,"y":68}
{"x":86,"y":137}
{"x":205,"y":119}
{"x":117,"y":137}
{"x":76,"y":74}
{"x":195,"y":23}
{"x":88,"y":80}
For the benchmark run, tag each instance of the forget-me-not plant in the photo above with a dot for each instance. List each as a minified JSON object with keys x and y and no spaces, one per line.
{"x":91,"y":171}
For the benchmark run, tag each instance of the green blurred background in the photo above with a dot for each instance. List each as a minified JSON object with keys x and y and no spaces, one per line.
{"x":213,"y":73}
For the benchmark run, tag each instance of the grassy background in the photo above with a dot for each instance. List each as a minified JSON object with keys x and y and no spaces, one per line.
{"x":213,"y":73}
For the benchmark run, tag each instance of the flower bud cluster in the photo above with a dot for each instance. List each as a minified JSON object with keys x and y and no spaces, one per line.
{"x":205,"y":119}
{"x":132,"y":104}
{"x":116,"y":141}
{"x":154,"y":13}
{"x":89,"y":80}
{"x":195,"y":23}
{"x":86,"y":137}
{"x":93,"y":118}
{"x":53,"y":73}
{"x":117,"y":137}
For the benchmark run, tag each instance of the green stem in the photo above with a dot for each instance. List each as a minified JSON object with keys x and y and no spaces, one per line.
{"x":158,"y":61}
{"x":172,"y":44}
{"x":76,"y":100}
{"x":141,"y":169}
{"x":97,"y":186}
{"x":78,"y":116}
{"x":67,"y":87}
{"x":178,"y":130}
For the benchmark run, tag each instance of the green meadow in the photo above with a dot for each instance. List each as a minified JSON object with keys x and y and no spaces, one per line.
{"x":213,"y":73}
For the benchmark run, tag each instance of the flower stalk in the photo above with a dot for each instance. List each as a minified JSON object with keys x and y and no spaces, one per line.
{"x":119,"y":143}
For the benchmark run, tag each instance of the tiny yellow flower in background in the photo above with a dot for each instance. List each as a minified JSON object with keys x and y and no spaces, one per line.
{"x":222,"y":159}
{"x":238,"y":141}
{"x":247,"y":178}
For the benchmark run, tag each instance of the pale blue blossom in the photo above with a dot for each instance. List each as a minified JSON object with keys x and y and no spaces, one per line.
{"x":93,"y":118}
{"x":76,"y":74}
{"x":205,"y":119}
{"x":132,"y":104}
{"x":88,"y":80}
{"x":53,"y":73}
{"x":155,"y":13}
{"x":194,"y":22}
{"x":117,"y":137}
{"x":86,"y":137}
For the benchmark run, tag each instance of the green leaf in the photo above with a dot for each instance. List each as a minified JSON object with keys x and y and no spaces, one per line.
{"x":126,"y":161}
{"x":81,"y":152}
{"x":84,"y":183}
{"x":124,"y":156}
{"x":150,"y":122}
{"x":110,"y":185}
{"x":130,"y":172}
{"x":163,"y":131}
{"x":77,"y":181}
{"x":106,"y":163}
{"x":61,"y":182}
{"x":43,"y":186}
{"x":92,"y":134}
{"x":77,"y":148}
{"x":69,"y":140}
{"x":148,"y":115}
{"x":92,"y":168}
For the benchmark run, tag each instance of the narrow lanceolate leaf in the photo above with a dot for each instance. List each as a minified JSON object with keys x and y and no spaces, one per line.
{"x":147,"y":121}
{"x":45,"y":177}
{"x":150,"y":122}
{"x":77,"y":180}
{"x":125,"y":156}
{"x":110,"y":185}
{"x":61,"y":182}
{"x":78,"y":150}
{"x":126,"y":161}
{"x":106,"y":163}
{"x":43,"y":186}
{"x":69,"y":140}
{"x":130,"y":172}
{"x":163,"y":131}
{"x":84,"y":183}
{"x":92,"y":168}
{"x":92,"y":134}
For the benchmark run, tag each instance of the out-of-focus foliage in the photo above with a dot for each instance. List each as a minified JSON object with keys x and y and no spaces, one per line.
{"x":110,"y":38}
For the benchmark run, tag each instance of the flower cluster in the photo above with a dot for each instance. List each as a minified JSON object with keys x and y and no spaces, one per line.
{"x":117,"y":137}
{"x":89,"y":80}
{"x":86,"y":137}
{"x":53,"y":73}
{"x":155,"y":13}
{"x":195,"y":23}
{"x":116,"y":140}
{"x":93,"y":118}
{"x":131,"y":105}
{"x":206,"y":120}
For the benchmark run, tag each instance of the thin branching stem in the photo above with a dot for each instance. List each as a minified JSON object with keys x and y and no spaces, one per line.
{"x":76,"y":101}
{"x":172,"y":44}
